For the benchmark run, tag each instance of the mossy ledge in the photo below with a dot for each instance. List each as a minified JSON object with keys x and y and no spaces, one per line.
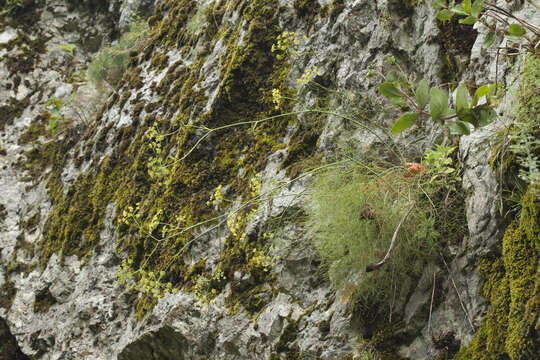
{"x":249,"y":71}
{"x":511,"y":328}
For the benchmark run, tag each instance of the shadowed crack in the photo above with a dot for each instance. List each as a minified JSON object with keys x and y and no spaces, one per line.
{"x":9,"y":349}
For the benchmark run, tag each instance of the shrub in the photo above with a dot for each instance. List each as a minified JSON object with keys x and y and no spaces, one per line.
{"x":109,"y":65}
{"x":354,"y":211}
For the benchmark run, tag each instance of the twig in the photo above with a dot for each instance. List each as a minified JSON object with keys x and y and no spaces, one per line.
{"x":457,"y":292}
{"x":372,"y":267}
{"x":431,"y":306}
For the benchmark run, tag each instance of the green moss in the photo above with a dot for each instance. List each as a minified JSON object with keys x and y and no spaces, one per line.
{"x":159,"y":62}
{"x":3,"y":213}
{"x":12,"y":110}
{"x":43,"y":301}
{"x":32,"y":223}
{"x":7,"y":294}
{"x":512,"y":286}
{"x":249,"y":71}
{"x":306,"y":9}
{"x":37,"y":128}
{"x":336,"y":8}
{"x":455,"y":39}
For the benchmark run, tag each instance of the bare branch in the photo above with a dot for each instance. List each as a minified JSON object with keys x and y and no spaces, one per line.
{"x":372,"y":267}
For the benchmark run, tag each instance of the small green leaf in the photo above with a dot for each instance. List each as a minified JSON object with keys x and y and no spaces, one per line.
{"x":482,"y":115}
{"x":458,"y":9}
{"x":404,"y":122}
{"x":467,"y":6}
{"x":465,"y":115}
{"x":439,"y":4}
{"x":462,"y":98}
{"x":514,"y":32}
{"x":397,"y":101}
{"x":459,"y":128}
{"x":490,"y":38}
{"x":391,"y":76}
{"x":481,"y":91}
{"x":477,"y":7}
{"x":445,"y":15}
{"x":469,"y":20}
{"x":439,"y":103}
{"x":388,"y":89}
{"x":422,"y":94}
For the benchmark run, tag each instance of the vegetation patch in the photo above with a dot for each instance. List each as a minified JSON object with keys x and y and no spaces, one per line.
{"x":164,"y":198}
{"x":357,"y":210}
{"x":109,"y":65}
{"x":43,"y":301}
{"x":7,"y":294}
{"x":512,"y":287}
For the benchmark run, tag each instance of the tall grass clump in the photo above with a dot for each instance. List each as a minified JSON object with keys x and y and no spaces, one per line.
{"x":354,"y":211}
{"x":109,"y":65}
{"x":525,"y":134}
{"x":10,"y":6}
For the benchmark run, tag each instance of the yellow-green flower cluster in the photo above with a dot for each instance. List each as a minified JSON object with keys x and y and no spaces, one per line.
{"x":307,"y":75}
{"x":130,"y":213}
{"x":156,"y":167}
{"x":286,"y":41}
{"x":145,"y":282}
{"x":261,"y":260}
{"x":217,"y":196}
{"x":237,"y":223}
{"x":255,"y":185}
{"x":276,"y":98}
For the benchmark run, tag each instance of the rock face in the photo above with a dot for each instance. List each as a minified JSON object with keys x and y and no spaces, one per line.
{"x":185,"y":166}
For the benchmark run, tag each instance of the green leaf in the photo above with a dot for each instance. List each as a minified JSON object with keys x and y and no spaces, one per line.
{"x":469,"y":20}
{"x":459,"y":128}
{"x":391,"y":76}
{"x":481,"y":91}
{"x":68,"y":48}
{"x":422,"y":94}
{"x":445,"y":15}
{"x":467,"y":6}
{"x":490,"y":38}
{"x":514,"y":32}
{"x":397,"y":101}
{"x":462,"y":98}
{"x":482,"y":115}
{"x":477,"y":7}
{"x":465,"y":115}
{"x":388,"y":89}
{"x":458,"y":9}
{"x":439,"y":4}
{"x":439,"y":103}
{"x":404,"y":122}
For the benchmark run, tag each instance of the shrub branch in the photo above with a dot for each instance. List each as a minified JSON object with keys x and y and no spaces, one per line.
{"x":373,"y":267}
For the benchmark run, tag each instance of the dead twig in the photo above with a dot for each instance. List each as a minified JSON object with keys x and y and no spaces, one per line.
{"x":431,"y":306}
{"x":457,"y":292}
{"x":372,"y":267}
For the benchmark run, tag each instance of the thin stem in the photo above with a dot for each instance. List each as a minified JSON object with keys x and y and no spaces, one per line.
{"x":372,"y":267}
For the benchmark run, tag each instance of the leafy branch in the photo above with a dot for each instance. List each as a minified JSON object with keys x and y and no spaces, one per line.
{"x":481,"y":11}
{"x":478,"y":112}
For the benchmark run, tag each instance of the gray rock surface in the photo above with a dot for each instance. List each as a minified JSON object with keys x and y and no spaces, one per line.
{"x":93,"y":318}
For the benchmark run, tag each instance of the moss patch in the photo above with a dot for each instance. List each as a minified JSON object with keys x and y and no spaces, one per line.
{"x":512,"y":286}
{"x":455,"y":39}
{"x":168,"y":193}
{"x":12,"y":110}
{"x":43,"y":301}
{"x":7,"y":294}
